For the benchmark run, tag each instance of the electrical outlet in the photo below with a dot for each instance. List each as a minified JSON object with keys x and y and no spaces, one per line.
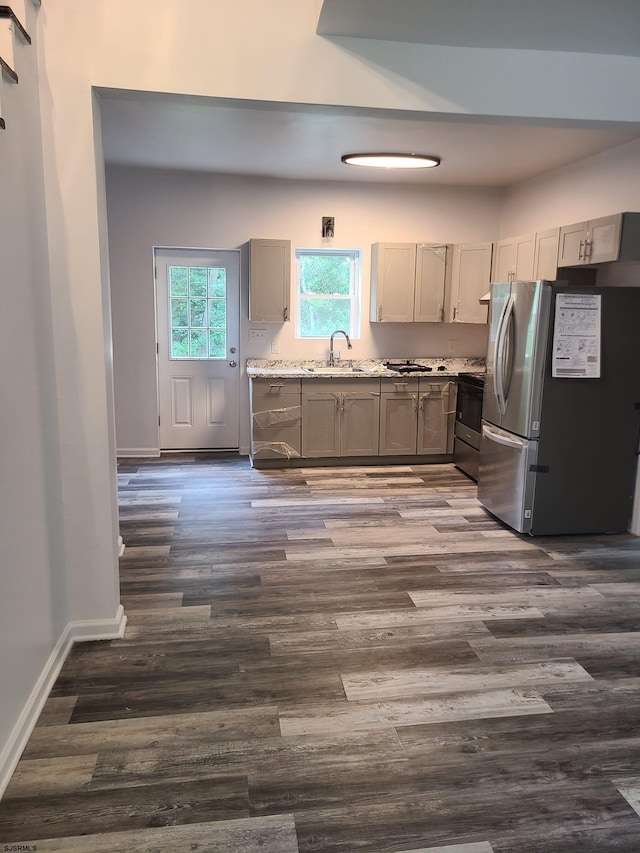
{"x":257,"y":334}
{"x":452,"y":345}
{"x":275,"y":349}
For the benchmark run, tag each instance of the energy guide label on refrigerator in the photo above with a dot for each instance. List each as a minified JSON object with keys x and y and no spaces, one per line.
{"x":576,"y":336}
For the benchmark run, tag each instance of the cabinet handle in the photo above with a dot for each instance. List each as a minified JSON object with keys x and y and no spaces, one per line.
{"x":401,"y":384}
{"x":588,"y":245}
{"x":582,"y":246}
{"x":379,"y":313}
{"x":455,"y":311}
{"x":274,"y":385}
{"x":285,"y":313}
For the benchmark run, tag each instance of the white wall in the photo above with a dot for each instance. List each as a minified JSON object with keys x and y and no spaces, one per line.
{"x":269,"y":51}
{"x":33,"y":595}
{"x":596,"y":186}
{"x":150,"y":208}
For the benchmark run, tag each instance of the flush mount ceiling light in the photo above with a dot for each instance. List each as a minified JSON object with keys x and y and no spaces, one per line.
{"x":392,"y":161}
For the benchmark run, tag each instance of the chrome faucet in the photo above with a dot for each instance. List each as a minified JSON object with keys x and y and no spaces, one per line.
{"x":332,"y":358}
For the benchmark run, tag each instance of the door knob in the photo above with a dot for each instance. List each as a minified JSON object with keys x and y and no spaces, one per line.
{"x":232,"y":350}
{"x":233,"y":364}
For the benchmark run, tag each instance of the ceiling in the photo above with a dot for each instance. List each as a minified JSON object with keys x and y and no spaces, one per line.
{"x":294,"y":141}
{"x":582,"y":26}
{"x":300,"y":142}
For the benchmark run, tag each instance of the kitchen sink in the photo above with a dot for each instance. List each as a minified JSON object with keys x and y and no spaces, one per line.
{"x":337,"y":369}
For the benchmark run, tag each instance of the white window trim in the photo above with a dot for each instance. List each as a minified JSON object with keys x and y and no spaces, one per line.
{"x":354,"y":298}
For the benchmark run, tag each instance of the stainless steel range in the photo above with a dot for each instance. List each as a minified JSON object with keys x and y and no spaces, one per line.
{"x":466,"y":443}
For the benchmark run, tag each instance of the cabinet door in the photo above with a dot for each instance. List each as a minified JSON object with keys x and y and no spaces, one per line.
{"x":398,"y":424}
{"x":269,"y":280}
{"x":276,"y":416}
{"x":545,"y":265}
{"x":503,"y":261}
{"x":470,"y":280}
{"x":524,"y":248}
{"x":431,"y":269}
{"x":604,"y":239}
{"x":393,"y":275}
{"x":571,"y":244}
{"x":360,"y":423}
{"x":435,"y":414}
{"x":321,"y":423}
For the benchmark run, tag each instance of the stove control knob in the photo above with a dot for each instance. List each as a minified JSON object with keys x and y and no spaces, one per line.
{"x":442,"y":367}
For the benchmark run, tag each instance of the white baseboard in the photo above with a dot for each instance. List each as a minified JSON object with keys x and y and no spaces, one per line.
{"x":126,"y":452}
{"x":74,"y":632}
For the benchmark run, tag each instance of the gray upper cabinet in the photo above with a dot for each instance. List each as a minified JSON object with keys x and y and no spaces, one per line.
{"x":408,"y":282}
{"x":513,"y":259}
{"x":597,"y":241}
{"x":470,"y":280}
{"x":527,"y":258}
{"x":269,"y":280}
{"x":545,"y":262}
{"x":432,"y":266}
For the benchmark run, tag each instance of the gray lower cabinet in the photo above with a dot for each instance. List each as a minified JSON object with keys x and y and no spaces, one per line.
{"x":340,"y":417}
{"x":276,"y":418}
{"x":417,"y":417}
{"x":334,"y":418}
{"x":398,"y":417}
{"x":436,"y":416}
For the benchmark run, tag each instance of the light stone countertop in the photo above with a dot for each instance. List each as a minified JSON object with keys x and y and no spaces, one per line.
{"x":263,"y":368}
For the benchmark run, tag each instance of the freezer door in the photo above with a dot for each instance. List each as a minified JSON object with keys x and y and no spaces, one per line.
{"x":520,"y":353}
{"x":492,"y":403}
{"x":506,"y":483}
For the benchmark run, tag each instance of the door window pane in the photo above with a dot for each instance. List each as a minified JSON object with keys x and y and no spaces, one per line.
{"x":198,"y":312}
{"x":198,"y":344}
{"x":198,"y":309}
{"x":179,"y":313}
{"x":218,"y":313}
{"x":178,"y":281}
{"x":218,"y":283}
{"x":180,"y":343}
{"x":197,"y":281}
{"x":217,"y":344}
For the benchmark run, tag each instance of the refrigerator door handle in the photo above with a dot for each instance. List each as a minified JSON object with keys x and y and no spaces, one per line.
{"x":501,"y":438}
{"x":499,"y":369}
{"x":507,"y":357}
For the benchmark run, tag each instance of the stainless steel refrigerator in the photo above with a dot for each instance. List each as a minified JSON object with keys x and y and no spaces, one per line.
{"x":561,"y":407}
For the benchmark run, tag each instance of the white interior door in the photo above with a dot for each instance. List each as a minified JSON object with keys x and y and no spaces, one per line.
{"x":198,"y":317}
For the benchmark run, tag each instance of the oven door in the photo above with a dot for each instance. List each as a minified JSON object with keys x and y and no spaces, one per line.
{"x":469,"y":405}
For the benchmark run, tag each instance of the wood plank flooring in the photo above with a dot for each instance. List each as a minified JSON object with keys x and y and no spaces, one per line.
{"x":342,"y":660}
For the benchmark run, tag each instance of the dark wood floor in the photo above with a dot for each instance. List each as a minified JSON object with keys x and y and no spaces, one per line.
{"x":355,"y":659}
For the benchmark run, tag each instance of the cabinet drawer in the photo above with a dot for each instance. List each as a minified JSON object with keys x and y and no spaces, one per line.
{"x":276,"y":442}
{"x":400,"y":384}
{"x":436,"y":386}
{"x":341,"y":386}
{"x":280,"y":403}
{"x":274,"y":387}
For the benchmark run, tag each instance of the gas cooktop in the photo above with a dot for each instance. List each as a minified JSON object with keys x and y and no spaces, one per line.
{"x":412,"y":367}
